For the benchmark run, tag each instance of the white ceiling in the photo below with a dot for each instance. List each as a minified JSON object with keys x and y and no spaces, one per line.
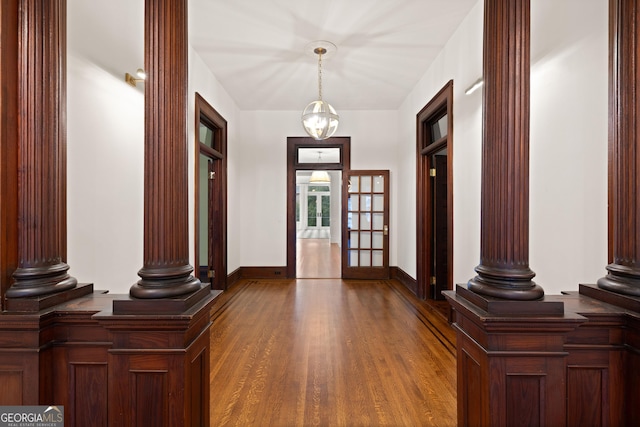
{"x":256,"y":48}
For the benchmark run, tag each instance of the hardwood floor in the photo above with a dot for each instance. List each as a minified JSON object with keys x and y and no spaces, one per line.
{"x":330,"y":352}
{"x":317,"y":259}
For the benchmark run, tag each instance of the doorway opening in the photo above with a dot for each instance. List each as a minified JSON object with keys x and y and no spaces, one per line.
{"x":435,"y":196}
{"x":314,"y":227}
{"x":210,"y":195}
{"x":318,"y":224}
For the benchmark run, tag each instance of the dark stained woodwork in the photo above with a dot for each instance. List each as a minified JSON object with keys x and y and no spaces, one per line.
{"x":624,"y":148}
{"x":360,"y":271}
{"x":8,"y":144}
{"x":156,"y":365}
{"x":441,"y":102}
{"x":42,"y":231}
{"x":166,"y":271}
{"x":511,"y":368}
{"x":504,"y":230}
{"x":293,"y":143}
{"x":107,"y":369}
{"x":204,"y":112}
{"x":330,"y":352}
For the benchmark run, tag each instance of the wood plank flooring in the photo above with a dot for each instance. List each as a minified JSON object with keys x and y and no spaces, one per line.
{"x":329,"y":352}
{"x":317,"y":259}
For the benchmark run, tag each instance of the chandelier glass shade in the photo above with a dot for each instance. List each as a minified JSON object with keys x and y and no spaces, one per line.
{"x":319,"y":118}
{"x":320,"y":177}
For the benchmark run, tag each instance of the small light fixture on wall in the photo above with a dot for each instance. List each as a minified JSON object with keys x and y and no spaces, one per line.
{"x":133,"y":81}
{"x":319,"y":118}
{"x":475,"y":86}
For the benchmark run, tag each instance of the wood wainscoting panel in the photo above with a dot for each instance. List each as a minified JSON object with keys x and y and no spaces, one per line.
{"x":10,"y":386}
{"x":149,"y":393}
{"x":90,"y":394}
{"x":587,"y":388}
{"x":470,"y":393}
{"x":525,"y":398}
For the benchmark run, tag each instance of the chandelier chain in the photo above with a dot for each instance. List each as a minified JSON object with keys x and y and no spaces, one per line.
{"x":320,"y":76}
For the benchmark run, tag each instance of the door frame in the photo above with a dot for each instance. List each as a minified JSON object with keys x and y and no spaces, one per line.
{"x":293,"y":165}
{"x":441,"y":103}
{"x":204,"y":112}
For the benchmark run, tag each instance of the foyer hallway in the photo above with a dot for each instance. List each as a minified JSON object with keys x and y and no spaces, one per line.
{"x":330,"y":352}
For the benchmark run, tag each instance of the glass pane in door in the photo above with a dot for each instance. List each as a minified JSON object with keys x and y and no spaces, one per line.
{"x":326,"y":211}
{"x":312,"y":211}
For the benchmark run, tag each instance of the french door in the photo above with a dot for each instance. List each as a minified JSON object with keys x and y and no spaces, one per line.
{"x":365,"y":229}
{"x":318,"y":211}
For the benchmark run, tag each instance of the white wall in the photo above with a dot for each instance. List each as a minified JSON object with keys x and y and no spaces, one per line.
{"x":568,"y":184}
{"x":105,"y":123}
{"x":263,"y":173}
{"x":568,"y":144}
{"x":201,"y":80}
{"x":568,"y":150}
{"x":105,"y":138}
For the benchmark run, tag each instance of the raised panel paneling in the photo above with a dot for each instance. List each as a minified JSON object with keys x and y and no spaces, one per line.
{"x":11,"y":387}
{"x":633,"y":385}
{"x":90,"y":395}
{"x":587,"y":394}
{"x":525,"y":397}
{"x":472,"y":394}
{"x":198,"y":380}
{"x":150,"y":395}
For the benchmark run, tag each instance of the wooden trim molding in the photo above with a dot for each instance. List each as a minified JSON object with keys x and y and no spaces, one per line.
{"x":293,"y":143}
{"x":403,"y":277}
{"x":217,"y":210}
{"x":441,"y":103}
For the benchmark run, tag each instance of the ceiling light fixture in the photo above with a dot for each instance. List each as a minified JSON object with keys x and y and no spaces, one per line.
{"x":319,"y":177}
{"x":142,"y":76}
{"x":319,"y":118}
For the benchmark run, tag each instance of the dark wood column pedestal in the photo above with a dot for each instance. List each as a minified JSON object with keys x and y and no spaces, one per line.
{"x":579,"y":368}
{"x":107,"y":369}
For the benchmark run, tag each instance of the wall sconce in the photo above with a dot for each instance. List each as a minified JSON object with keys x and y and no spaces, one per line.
{"x":475,"y":86}
{"x":142,"y":76}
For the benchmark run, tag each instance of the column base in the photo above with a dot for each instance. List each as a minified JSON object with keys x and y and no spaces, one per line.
{"x":624,"y":285}
{"x":42,"y":302}
{"x":178,"y":304}
{"x":500,"y":306}
{"x":526,"y":291}
{"x":629,"y":302}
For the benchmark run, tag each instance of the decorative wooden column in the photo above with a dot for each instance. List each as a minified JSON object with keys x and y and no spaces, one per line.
{"x":504,"y":231}
{"x":166,"y":271}
{"x":8,"y":145}
{"x":42,"y":231}
{"x":624,"y":148}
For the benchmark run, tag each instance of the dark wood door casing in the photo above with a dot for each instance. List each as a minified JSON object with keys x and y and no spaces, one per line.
{"x":441,"y":103}
{"x":293,"y":144}
{"x":217,"y":153}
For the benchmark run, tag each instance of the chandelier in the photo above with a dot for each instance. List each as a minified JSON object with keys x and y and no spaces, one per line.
{"x":319,"y":118}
